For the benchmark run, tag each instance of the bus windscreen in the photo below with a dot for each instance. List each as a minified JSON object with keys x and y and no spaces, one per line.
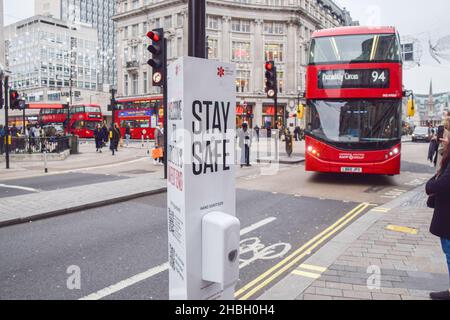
{"x":355,"y":49}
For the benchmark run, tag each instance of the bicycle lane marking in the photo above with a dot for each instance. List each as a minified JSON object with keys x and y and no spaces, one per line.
{"x":163,"y":267}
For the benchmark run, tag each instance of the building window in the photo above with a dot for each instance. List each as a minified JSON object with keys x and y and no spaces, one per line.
{"x":240,"y":25}
{"x":135,"y":4}
{"x":180,"y":20}
{"x":180,"y":47}
{"x":213,"y":48}
{"x":240,"y":51}
{"x":145,"y":76}
{"x":273,"y":51}
{"x":273,"y":2}
{"x":135,"y":30}
{"x":125,"y":85}
{"x":273,"y":28}
{"x":242,"y":80}
{"x":280,"y":78}
{"x":213,"y":23}
{"x":135,"y":84}
{"x":168,"y":22}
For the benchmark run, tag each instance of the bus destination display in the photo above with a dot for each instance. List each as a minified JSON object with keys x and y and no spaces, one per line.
{"x":354,"y":79}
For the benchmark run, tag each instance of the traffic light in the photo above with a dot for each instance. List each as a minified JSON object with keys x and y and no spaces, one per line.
{"x":411,"y":107}
{"x":159,"y":60}
{"x":271,"y":79}
{"x":300,"y":111}
{"x":14,"y":101}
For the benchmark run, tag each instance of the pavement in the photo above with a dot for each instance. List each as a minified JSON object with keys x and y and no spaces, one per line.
{"x":45,"y":204}
{"x":387,"y":254}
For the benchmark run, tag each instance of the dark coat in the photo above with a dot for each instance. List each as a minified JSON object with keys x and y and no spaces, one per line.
{"x":105,"y":133}
{"x":114,"y":142}
{"x":440,"y":188}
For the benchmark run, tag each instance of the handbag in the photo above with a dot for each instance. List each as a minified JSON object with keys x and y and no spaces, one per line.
{"x":157,"y":153}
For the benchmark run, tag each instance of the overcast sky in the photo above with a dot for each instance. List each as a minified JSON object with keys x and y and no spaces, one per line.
{"x":423,"y":20}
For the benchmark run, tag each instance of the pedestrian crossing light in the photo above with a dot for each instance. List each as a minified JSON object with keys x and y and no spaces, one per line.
{"x":271,"y":79}
{"x":158,"y":61}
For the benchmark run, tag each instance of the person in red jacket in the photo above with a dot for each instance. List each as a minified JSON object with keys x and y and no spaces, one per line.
{"x":438,"y":189}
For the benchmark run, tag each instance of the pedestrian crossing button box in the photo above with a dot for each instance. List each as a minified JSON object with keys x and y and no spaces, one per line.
{"x":220,"y":248}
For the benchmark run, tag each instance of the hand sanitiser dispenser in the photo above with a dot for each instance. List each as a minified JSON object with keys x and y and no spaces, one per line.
{"x":220,"y":251}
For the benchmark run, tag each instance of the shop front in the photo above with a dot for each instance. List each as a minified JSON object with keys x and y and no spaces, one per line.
{"x":270,"y":115}
{"x":244,"y":113}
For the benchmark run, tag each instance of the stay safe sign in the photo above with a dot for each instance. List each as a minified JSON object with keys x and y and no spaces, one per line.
{"x":201,"y":133}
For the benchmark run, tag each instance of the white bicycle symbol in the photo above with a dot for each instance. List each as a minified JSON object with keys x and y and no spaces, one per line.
{"x":252,"y":249}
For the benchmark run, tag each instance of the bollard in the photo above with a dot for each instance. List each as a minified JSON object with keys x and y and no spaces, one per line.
{"x":148,"y":146}
{"x":45,"y":161}
{"x":142,"y":139}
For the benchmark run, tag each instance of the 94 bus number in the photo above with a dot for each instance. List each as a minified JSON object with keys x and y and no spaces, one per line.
{"x":376,"y":76}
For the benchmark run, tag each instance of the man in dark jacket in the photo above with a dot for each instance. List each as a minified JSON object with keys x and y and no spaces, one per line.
{"x":114,"y":138}
{"x":105,"y":134}
{"x":438,"y":190}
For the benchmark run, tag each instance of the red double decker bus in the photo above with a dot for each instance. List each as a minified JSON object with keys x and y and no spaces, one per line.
{"x":142,"y":114}
{"x":83,"y":118}
{"x":354,"y":101}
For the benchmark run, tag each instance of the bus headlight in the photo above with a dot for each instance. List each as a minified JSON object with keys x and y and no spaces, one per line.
{"x":396,"y":151}
{"x":310,"y":149}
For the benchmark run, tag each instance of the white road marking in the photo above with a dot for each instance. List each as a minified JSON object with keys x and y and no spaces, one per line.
{"x":102,"y":167}
{"x":18,"y":187}
{"x":157,"y":270}
{"x":126,"y":283}
{"x":257,"y":225}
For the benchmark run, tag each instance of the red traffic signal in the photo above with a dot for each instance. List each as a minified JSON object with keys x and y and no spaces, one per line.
{"x":271,"y":79}
{"x":13,"y":95}
{"x":269,"y":66}
{"x":154,"y":36}
{"x":158,"y":62}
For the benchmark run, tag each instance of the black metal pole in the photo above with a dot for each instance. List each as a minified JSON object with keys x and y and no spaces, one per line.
{"x":113,"y":105}
{"x":165,"y":111}
{"x":23,"y":121}
{"x":276,"y":111}
{"x":197,"y":28}
{"x":6,"y":121}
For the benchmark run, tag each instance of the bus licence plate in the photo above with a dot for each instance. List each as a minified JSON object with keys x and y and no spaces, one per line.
{"x":351,"y":170}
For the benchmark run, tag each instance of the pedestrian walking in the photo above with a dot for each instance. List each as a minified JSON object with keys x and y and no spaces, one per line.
{"x":437,"y":189}
{"x":98,"y":136}
{"x":2,"y":139}
{"x":114,"y":138}
{"x":105,"y":134}
{"x":119,"y":135}
{"x":433,"y":148}
{"x":245,"y":141}
{"x":159,"y":141}
{"x":127,"y":134}
{"x":289,"y":142}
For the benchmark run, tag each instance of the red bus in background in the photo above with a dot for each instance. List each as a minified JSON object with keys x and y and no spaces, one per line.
{"x":142,"y":114}
{"x":83,"y":118}
{"x":354,"y":97}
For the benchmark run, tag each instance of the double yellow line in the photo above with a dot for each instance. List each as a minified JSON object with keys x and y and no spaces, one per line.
{"x":266,"y":278}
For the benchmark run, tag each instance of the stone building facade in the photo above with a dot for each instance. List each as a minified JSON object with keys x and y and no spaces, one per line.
{"x":245,"y":32}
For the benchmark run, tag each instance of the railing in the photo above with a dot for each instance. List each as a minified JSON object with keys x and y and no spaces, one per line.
{"x":24,"y":145}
